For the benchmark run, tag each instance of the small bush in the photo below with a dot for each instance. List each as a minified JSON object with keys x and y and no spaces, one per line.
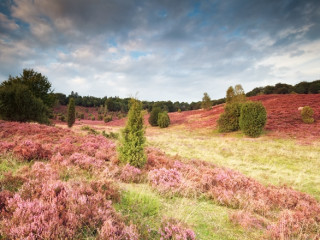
{"x":107,"y":119}
{"x":253,"y":117}
{"x":229,"y":120}
{"x":90,"y":130}
{"x":163,"y":120}
{"x":307,"y":115}
{"x":82,"y":115}
{"x":111,"y":135}
{"x":100,"y":117}
{"x":93,"y":118}
{"x":153,"y":119}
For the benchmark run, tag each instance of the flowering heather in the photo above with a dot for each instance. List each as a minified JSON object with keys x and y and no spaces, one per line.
{"x":172,"y":229}
{"x":165,"y":180}
{"x":130,"y":174}
{"x":25,"y":140}
{"x":59,"y":210}
{"x":235,"y":190}
{"x":84,"y":161}
{"x":29,"y":150}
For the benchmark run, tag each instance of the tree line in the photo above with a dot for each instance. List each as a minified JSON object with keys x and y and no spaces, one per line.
{"x":282,"y":88}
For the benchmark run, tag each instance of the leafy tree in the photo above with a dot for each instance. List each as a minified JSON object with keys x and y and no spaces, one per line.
{"x":27,"y":97}
{"x":17,"y":103}
{"x":153,"y":119}
{"x":314,"y":87}
{"x":71,"y":112}
{"x":163,"y":120}
{"x":239,"y":95}
{"x":302,"y":87}
{"x":230,"y":94}
{"x":131,"y":149}
{"x":206,"y":102}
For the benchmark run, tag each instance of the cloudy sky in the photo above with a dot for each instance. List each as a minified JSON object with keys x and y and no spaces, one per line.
{"x":161,"y":49}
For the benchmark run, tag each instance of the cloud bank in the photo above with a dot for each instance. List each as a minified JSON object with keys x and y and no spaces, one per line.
{"x":162,"y":50}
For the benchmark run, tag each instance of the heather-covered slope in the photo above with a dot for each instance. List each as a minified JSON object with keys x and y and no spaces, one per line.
{"x":67,"y":185}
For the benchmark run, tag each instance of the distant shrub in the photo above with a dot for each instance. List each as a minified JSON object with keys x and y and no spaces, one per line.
{"x":229,"y":120}
{"x":307,"y":114}
{"x":179,"y":110}
{"x":90,"y":130}
{"x":86,"y":110}
{"x":100,"y":117}
{"x":82,"y":115}
{"x":153,"y":119}
{"x":253,"y":117}
{"x":163,"y":120}
{"x":62,"y":117}
{"x":93,"y":118}
{"x":111,"y":135}
{"x":107,"y":119}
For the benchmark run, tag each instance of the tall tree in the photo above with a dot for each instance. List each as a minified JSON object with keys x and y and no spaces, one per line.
{"x":206,"y":102}
{"x":230,"y":94}
{"x":239,"y":95}
{"x":27,"y":97}
{"x":71,"y":112}
{"x":131,"y":149}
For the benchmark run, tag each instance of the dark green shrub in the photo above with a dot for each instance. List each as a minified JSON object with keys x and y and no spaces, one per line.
{"x":253,"y":117}
{"x":163,"y":120}
{"x":229,"y":120}
{"x":18,"y":103}
{"x":62,"y":118}
{"x":71,"y":113}
{"x":107,"y":119}
{"x":93,"y":118}
{"x":307,"y":114}
{"x":82,"y":115}
{"x":111,"y":135}
{"x":100,"y":117}
{"x":131,"y":149}
{"x":153,"y":119}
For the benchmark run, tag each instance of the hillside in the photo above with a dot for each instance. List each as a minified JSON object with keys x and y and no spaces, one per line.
{"x":283,"y":116}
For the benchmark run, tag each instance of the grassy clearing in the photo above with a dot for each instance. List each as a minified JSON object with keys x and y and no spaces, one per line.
{"x":270,"y":161}
{"x":146,"y":208}
{"x":9,"y":163}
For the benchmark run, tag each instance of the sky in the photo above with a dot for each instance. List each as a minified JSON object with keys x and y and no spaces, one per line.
{"x":161,"y":49}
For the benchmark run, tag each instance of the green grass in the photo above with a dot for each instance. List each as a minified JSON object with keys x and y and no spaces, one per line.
{"x":146,"y":208}
{"x":270,"y":161}
{"x":9,"y":163}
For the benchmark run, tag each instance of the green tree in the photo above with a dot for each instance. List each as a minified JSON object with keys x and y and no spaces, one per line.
{"x":71,"y":112}
{"x":253,"y":118}
{"x":230,"y":94}
{"x":131,"y":149}
{"x":153,"y":118}
{"x":27,"y":97}
{"x":206,"y":102}
{"x":239,"y":95}
{"x":163,"y":120}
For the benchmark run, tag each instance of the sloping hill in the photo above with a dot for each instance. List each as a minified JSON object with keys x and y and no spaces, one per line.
{"x":283,"y":115}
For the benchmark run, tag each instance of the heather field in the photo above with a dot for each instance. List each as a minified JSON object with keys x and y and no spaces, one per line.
{"x":58,"y":183}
